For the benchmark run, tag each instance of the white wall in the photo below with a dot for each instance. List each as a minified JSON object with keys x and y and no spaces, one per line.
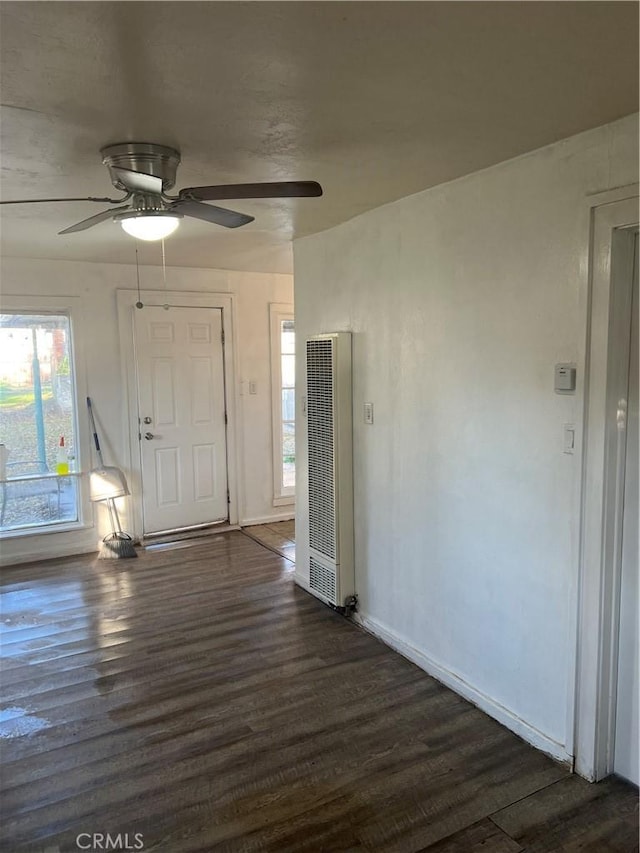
{"x":461,"y":299}
{"x":96,"y":285}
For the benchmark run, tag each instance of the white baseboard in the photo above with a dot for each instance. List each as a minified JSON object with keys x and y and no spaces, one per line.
{"x":459,"y":685}
{"x":302,"y":582}
{"x":494,"y":709}
{"x":267,"y":519}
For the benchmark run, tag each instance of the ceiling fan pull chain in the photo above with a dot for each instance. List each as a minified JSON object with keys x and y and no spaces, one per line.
{"x":139,"y":302}
{"x":164,"y":277}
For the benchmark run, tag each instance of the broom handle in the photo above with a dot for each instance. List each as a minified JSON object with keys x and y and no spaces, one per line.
{"x":114,"y":510}
{"x":111,"y":507}
{"x":95,"y":432}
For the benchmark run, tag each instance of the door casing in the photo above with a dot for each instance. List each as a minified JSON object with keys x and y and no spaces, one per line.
{"x":614,"y":217}
{"x":126,"y":301}
{"x":626,"y":757}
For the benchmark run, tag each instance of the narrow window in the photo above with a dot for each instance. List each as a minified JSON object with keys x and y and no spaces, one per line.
{"x":288,"y":378}
{"x":38,"y":434}
{"x":283,"y":357}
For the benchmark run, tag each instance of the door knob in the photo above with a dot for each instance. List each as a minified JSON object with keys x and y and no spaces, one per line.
{"x":148,"y":436}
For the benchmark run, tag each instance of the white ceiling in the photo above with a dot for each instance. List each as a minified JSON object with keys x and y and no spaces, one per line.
{"x":374,"y":100}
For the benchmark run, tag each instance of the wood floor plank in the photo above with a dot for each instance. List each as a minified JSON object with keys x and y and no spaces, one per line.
{"x":198,"y":696}
{"x":481,"y":837}
{"x":278,"y":536}
{"x":573,"y":815}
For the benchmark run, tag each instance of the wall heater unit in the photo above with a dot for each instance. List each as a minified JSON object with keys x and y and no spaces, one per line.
{"x":330,"y":453}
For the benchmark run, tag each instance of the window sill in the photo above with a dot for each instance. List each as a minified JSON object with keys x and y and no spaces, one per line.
{"x":43,"y":530}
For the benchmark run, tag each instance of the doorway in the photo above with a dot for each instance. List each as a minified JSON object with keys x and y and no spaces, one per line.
{"x":212,"y":485}
{"x":182,"y":411}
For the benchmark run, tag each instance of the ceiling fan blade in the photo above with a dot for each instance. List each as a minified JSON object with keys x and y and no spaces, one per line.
{"x":279,"y":189}
{"x":138,"y":182}
{"x":210,"y":213}
{"x":93,"y":220}
{"x":104,"y":200}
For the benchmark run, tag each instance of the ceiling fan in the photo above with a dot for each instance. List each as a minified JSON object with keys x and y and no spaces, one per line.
{"x":144,"y":171}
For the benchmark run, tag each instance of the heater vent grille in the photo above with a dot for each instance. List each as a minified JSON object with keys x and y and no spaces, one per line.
{"x":330,"y":468}
{"x":322,"y":580}
{"x":320,"y":414}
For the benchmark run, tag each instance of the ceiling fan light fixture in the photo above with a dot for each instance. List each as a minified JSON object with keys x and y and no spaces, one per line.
{"x":150,"y":226}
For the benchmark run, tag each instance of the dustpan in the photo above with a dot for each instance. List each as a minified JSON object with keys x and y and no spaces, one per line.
{"x":107,"y":483}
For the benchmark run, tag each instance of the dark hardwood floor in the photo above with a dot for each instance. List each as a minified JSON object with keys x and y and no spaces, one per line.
{"x":197,"y":697}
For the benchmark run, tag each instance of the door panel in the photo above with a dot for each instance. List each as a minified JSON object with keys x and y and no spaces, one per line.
{"x":179,"y":356}
{"x":167,"y":476}
{"x":202,"y":404}
{"x":204,"y":464}
{"x":163,"y":392}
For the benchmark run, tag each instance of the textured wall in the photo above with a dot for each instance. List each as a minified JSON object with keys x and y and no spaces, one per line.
{"x":461,"y":299}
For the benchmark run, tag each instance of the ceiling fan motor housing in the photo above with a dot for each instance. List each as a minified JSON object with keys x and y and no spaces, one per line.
{"x":145,"y":157}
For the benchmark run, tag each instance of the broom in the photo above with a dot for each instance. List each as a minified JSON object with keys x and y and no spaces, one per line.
{"x":106,"y":483}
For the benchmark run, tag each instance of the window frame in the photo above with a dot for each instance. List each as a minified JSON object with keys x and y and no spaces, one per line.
{"x":278,"y":311}
{"x":68,"y":306}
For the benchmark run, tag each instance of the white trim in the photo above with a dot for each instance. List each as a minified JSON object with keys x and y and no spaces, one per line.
{"x":44,"y":529}
{"x":598,"y":199}
{"x":192,"y":534}
{"x":278,"y":311}
{"x":126,"y":300}
{"x":601,"y":518}
{"x":456,"y":683}
{"x":267,"y":519}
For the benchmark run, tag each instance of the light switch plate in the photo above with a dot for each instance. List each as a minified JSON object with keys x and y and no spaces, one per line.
{"x":564,"y":379}
{"x":568,"y":438}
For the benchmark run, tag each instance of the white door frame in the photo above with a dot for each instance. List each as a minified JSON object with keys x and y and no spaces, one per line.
{"x":613,"y":217}
{"x":278,"y":311}
{"x":126,"y":300}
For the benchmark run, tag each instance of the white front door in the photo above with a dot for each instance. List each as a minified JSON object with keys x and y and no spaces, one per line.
{"x":626,"y":754}
{"x":181,"y":397}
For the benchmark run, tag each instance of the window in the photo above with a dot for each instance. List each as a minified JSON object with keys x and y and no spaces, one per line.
{"x":38,"y":474}
{"x":283,"y":358}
